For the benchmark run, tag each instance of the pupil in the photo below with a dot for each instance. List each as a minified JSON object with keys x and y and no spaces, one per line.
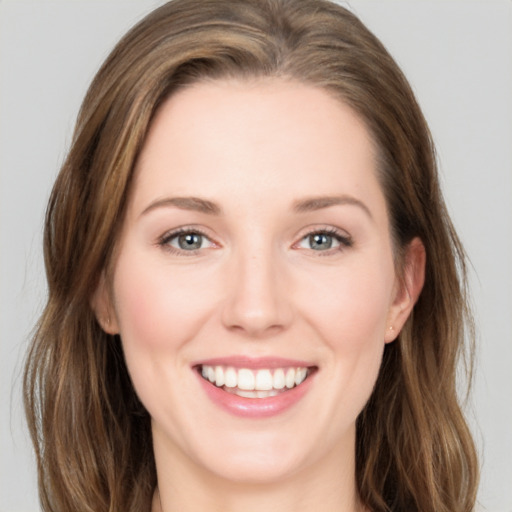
{"x":320,"y":241}
{"x":190,"y":241}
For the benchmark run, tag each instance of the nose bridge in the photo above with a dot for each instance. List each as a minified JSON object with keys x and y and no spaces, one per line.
{"x":257,"y":303}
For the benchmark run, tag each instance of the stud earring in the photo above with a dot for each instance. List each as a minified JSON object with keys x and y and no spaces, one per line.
{"x":391,"y":333}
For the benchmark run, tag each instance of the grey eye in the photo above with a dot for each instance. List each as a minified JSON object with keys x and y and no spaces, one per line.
{"x":323,"y":241}
{"x":189,"y":241}
{"x":186,"y":241}
{"x":320,"y":241}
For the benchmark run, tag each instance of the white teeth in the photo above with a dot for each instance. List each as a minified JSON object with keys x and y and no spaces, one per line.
{"x":265,"y":394}
{"x":254,"y":383}
{"x":219,"y":376}
{"x":278,"y":380}
{"x":253,"y":394}
{"x":230,"y":378}
{"x":246,"y":379}
{"x":300,"y":375}
{"x":264,"y":381}
{"x":290,"y":378}
{"x":246,"y":394}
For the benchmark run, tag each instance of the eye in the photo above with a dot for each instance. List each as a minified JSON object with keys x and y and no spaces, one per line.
{"x":324,"y":240}
{"x":185,"y":240}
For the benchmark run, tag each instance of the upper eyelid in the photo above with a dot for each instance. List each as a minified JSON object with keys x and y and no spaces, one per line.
{"x":171,"y":233}
{"x":331,"y":230}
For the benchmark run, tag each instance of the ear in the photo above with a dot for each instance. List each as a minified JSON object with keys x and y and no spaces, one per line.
{"x":101,"y":304}
{"x":407,"y":288}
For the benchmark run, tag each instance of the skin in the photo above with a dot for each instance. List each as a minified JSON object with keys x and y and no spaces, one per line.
{"x":257,"y":287}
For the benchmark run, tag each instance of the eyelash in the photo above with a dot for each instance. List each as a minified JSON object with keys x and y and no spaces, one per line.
{"x":345,"y":241}
{"x":164,"y":240}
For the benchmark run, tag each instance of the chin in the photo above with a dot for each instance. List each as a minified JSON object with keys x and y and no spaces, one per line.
{"x":255,"y":468}
{"x":242,"y":456}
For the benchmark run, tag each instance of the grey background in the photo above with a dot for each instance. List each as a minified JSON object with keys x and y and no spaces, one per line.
{"x":456,"y":53}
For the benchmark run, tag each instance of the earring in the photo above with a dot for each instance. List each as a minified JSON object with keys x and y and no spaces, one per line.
{"x":391,"y":332}
{"x":107,"y":321}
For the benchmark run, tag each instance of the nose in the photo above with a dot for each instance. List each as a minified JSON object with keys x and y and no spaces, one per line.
{"x":258,"y":304}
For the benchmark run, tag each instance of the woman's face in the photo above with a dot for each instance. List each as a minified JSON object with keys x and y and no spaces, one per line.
{"x":255,"y":255}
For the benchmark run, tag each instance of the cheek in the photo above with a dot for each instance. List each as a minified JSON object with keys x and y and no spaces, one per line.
{"x":139,"y":309}
{"x":156,"y":308}
{"x":351,"y":305}
{"x":159,"y":310}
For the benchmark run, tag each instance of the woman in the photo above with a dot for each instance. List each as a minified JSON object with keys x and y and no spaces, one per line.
{"x":253,"y":288}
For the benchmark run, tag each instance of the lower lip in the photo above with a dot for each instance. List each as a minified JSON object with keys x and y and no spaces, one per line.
{"x":255,"y":407}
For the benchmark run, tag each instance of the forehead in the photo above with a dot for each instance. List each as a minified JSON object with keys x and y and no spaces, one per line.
{"x":251,"y":139}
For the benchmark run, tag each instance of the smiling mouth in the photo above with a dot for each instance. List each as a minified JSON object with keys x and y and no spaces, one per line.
{"x":260,"y":383}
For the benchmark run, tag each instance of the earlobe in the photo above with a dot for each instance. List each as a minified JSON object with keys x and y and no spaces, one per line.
{"x":101,"y":304}
{"x":408,"y":288}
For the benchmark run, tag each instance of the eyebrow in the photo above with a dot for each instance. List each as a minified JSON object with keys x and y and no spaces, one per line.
{"x":318,"y":203}
{"x":301,"y":206}
{"x":186,"y":203}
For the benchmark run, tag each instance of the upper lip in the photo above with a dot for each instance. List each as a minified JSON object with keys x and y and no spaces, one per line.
{"x":240,"y":361}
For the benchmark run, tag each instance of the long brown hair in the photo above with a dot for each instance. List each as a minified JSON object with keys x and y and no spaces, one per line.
{"x":91,"y":434}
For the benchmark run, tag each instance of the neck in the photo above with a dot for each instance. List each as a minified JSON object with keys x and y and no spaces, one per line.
{"x":327,"y":485}
{"x":257,"y":499}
